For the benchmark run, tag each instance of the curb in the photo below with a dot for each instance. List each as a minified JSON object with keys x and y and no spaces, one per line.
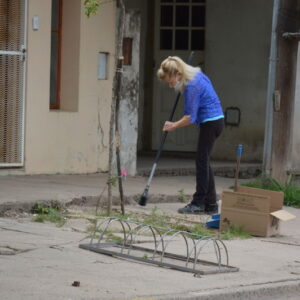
{"x":9,"y":208}
{"x":289,"y":289}
{"x":246,"y":172}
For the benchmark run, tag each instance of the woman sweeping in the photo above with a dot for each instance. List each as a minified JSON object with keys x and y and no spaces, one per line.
{"x":202,"y":106}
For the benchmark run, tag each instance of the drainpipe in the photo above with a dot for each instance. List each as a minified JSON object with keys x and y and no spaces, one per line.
{"x":267,"y":153}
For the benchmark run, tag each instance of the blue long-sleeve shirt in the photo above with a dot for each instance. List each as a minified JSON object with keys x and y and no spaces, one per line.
{"x":201,"y":101}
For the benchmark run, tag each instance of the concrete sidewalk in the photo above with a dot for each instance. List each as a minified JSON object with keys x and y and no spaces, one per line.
{"x":19,"y":193}
{"x":40,"y":261}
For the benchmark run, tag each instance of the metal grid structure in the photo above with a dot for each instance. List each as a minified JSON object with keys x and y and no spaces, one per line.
{"x":12,"y":74}
{"x":156,"y":251}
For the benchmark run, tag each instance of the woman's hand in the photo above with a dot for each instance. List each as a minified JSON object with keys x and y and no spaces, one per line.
{"x":184,"y":121}
{"x":169,"y":126}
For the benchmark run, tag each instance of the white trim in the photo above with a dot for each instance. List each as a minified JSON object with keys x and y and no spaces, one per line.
{"x":3,"y":165}
{"x":24,"y":83}
{"x":11,"y":52}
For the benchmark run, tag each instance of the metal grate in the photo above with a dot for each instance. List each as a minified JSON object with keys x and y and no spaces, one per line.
{"x":12,"y":49}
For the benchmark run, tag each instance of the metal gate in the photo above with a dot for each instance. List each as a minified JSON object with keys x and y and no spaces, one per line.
{"x":12,"y":81}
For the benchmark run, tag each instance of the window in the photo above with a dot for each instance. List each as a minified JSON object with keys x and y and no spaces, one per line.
{"x":55,"y":72}
{"x":102,"y":65}
{"x":182,"y":24}
{"x":65,"y":48}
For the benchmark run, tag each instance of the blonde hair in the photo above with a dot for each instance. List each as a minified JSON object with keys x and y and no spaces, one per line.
{"x":174,"y":65}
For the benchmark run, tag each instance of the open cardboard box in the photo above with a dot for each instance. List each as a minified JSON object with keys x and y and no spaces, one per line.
{"x":258,"y":211}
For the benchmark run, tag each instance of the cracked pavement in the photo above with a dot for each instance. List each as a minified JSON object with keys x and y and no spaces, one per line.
{"x":41,"y":261}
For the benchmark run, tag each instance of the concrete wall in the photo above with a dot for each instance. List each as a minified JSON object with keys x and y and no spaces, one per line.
{"x":69,"y":140}
{"x":237,"y":49}
{"x":130,"y":96}
{"x":236,"y":59}
{"x":141,"y":6}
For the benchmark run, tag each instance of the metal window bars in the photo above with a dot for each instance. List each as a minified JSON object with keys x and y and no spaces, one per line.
{"x":13,"y":30}
{"x":133,"y":234}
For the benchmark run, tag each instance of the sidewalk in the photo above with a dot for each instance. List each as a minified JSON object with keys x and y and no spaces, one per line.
{"x":40,"y":261}
{"x":21,"y":192}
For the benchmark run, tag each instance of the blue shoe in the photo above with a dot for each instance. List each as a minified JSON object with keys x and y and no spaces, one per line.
{"x":191,"y":209}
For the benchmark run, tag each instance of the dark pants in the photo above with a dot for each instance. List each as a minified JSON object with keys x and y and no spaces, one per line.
{"x":205,"y":194}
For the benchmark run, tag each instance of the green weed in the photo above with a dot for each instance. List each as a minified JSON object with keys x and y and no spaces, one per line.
{"x":289,"y":188}
{"x":200,"y":229}
{"x":110,"y":237}
{"x":91,"y":7}
{"x":156,"y":219}
{"x":47,"y":213}
{"x":235,"y":232}
{"x":183,"y":198}
{"x":161,"y":220}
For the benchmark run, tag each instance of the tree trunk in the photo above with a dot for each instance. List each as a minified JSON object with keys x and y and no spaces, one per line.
{"x":114,"y":124}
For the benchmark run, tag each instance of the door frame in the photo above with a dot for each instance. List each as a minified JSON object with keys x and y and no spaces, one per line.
{"x":186,"y":135}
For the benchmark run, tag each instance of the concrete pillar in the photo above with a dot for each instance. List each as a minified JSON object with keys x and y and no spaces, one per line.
{"x":130,"y":96}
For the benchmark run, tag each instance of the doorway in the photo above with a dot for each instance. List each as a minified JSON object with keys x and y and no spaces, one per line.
{"x":179,"y":29}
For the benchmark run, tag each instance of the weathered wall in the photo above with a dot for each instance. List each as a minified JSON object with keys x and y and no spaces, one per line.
{"x":130,"y":96}
{"x":294,"y":161}
{"x":286,"y":73}
{"x":74,"y":140}
{"x":238,"y":34}
{"x":141,"y":6}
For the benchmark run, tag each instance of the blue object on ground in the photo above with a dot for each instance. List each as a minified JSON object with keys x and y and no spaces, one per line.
{"x":214,"y":222}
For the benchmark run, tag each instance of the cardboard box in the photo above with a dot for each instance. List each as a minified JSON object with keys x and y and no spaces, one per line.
{"x":258,"y":211}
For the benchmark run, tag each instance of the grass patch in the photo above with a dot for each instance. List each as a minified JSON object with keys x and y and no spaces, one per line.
{"x":156,"y":219}
{"x":110,"y":237}
{"x":235,"y":232}
{"x":165,"y":223}
{"x":183,"y":198}
{"x":46,"y":213}
{"x":290,"y":189}
{"x":200,"y":229}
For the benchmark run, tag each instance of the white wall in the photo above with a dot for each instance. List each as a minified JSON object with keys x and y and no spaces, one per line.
{"x":67,"y":141}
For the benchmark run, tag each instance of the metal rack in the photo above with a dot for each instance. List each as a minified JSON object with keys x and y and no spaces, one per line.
{"x":157,"y":241}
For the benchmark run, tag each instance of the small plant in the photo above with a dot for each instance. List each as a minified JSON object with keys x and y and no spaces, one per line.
{"x":235,"y":232}
{"x":182,"y":196}
{"x":40,"y":208}
{"x":199,"y":229}
{"x":181,"y":227}
{"x":145,"y":256}
{"x":114,"y":180}
{"x":156,"y":219}
{"x":47,"y":213}
{"x":91,"y":7}
{"x":110,"y":237}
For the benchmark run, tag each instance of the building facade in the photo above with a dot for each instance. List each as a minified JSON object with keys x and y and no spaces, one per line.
{"x":58,"y":66}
